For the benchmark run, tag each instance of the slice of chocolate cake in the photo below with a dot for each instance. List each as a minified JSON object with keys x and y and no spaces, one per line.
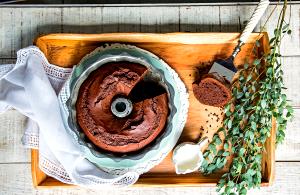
{"x":212,"y":90}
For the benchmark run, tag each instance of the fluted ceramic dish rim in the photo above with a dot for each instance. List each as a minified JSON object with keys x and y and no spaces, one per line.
{"x":145,"y":163}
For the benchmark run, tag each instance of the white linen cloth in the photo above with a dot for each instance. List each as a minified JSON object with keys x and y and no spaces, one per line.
{"x":31,"y":87}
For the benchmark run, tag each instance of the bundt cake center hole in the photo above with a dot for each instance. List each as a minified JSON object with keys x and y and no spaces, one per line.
{"x":121,"y":107}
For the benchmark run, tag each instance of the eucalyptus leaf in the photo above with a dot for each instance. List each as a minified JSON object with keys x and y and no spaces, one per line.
{"x":226,"y":146}
{"x":226,"y":153}
{"x":263,"y":103}
{"x":256,"y":62}
{"x":229,"y":125}
{"x":242,"y":151}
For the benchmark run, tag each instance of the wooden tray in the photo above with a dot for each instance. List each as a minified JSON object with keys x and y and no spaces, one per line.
{"x":185,"y":52}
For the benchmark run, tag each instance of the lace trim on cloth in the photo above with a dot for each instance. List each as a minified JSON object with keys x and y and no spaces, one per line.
{"x":55,"y":170}
{"x":51,"y":70}
{"x":58,"y":172}
{"x":127,"y":179}
{"x":30,"y":140}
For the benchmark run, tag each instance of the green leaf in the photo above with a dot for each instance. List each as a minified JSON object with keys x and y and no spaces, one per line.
{"x":226,"y":153}
{"x":240,"y":95}
{"x":235,"y":131}
{"x":229,"y":125}
{"x":258,"y":157}
{"x":249,"y":78}
{"x":242,"y":151}
{"x":257,"y":43}
{"x":251,"y":172}
{"x":243,"y":191}
{"x":218,"y":162}
{"x":227,"y":190}
{"x":272,"y":40}
{"x":218,"y":140}
{"x":222,"y":181}
{"x":226,"y":146}
{"x":256,"y":62}
{"x":269,"y":71}
{"x":228,"y":113}
{"x":253,"y":125}
{"x":204,"y":164}
{"x":211,"y":167}
{"x":212,"y":147}
{"x":290,"y":109}
{"x":224,"y":161}
{"x":285,"y":26}
{"x":205,"y":155}
{"x":276,"y":32}
{"x":230,"y":184}
{"x":220,"y":129}
{"x":239,"y":168}
{"x":251,"y":135}
{"x":263,"y":103}
{"x":221,"y":184}
{"x":221,"y":165}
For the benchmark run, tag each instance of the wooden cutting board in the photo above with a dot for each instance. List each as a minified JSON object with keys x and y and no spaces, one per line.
{"x":187,"y":53}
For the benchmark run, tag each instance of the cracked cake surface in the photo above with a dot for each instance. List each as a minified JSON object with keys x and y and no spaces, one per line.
{"x":93,"y":107}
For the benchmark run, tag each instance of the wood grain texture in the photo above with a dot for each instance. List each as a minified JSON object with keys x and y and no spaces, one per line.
{"x":56,"y":46}
{"x":19,"y":26}
{"x":291,"y":79}
{"x":15,"y":179}
{"x":120,"y":19}
{"x":200,"y":19}
{"x":289,"y":150}
{"x":230,"y":21}
{"x":290,"y":43}
{"x":7,"y":61}
{"x":11,"y":149}
{"x":88,"y":18}
{"x":154,"y":20}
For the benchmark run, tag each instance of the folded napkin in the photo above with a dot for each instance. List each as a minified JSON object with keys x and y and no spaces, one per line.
{"x":31,"y":87}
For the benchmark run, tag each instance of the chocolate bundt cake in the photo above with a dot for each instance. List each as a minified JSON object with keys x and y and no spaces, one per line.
{"x":147,"y":119}
{"x":212,"y":90}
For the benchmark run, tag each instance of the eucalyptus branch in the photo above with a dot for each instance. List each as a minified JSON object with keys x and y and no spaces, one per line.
{"x":258,"y":98}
